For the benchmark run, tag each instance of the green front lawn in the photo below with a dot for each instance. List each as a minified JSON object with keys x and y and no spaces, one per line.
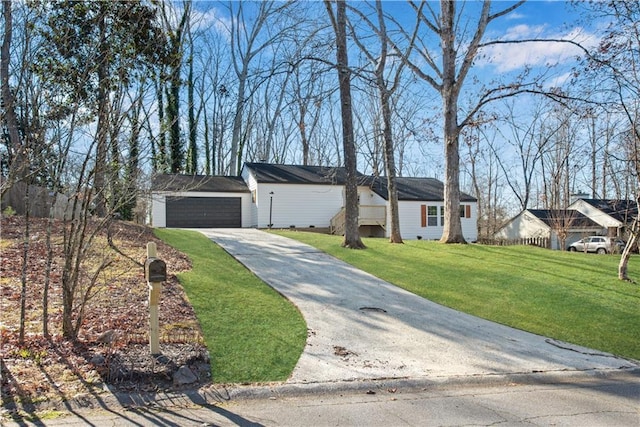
{"x":253,"y":334}
{"x":573,"y":297}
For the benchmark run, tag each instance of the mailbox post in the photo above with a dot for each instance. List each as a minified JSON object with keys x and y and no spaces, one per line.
{"x":155,"y":271}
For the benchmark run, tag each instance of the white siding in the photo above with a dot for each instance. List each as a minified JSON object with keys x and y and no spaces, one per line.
{"x":525,"y":225}
{"x":159,"y":213}
{"x":300,"y":205}
{"x":158,"y":210}
{"x":411,"y":222}
{"x":368,"y":197}
{"x":470,"y":225}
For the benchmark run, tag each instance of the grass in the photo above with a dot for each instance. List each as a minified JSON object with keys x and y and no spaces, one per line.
{"x":253,"y":334}
{"x":574,"y":297}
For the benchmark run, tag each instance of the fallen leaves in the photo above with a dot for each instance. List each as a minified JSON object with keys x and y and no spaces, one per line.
{"x":55,"y":369}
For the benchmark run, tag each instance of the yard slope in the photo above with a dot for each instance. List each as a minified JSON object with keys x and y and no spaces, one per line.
{"x":573,"y":297}
{"x":253,"y":334}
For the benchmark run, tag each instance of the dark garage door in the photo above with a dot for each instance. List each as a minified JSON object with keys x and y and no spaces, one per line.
{"x":204,"y":212}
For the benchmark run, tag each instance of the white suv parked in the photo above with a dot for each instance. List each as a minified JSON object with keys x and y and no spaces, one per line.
{"x":597,"y":244}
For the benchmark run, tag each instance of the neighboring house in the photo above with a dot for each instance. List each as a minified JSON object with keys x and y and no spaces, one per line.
{"x":293,"y":196}
{"x":615,"y":216}
{"x":555,"y":225}
{"x":584,"y":217}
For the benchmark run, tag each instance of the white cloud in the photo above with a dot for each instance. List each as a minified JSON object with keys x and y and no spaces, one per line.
{"x":211,"y":18}
{"x":512,"y":57}
{"x":522,"y":31}
{"x":515,"y":15}
{"x":559,"y":81}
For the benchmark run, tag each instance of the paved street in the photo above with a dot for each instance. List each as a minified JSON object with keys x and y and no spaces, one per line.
{"x":599,"y":403}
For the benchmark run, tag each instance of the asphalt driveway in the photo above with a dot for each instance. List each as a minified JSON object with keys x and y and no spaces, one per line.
{"x":363,"y":328}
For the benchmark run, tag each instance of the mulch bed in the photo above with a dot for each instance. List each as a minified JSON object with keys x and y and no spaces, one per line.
{"x":112,"y":348}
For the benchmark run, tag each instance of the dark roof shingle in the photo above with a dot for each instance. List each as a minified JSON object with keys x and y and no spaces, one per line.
{"x":298,"y":174}
{"x":416,"y":189}
{"x":622,"y":210}
{"x":199,"y":183}
{"x":564,"y":218}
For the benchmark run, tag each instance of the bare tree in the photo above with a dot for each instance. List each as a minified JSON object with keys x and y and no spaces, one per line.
{"x":386,"y":86}
{"x":471,"y":138}
{"x":307,"y":97}
{"x":558,"y":158}
{"x":339,"y":23}
{"x":615,"y":65}
{"x":483,"y":165}
{"x":273,"y":95}
{"x":175,"y":29}
{"x":446,"y":71}
{"x":17,"y":164}
{"x":530,"y":138}
{"x":216,"y":101}
{"x":249,"y":39}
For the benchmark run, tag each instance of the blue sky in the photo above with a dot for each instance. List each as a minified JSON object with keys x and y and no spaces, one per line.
{"x":534,"y":19}
{"x":540,"y":19}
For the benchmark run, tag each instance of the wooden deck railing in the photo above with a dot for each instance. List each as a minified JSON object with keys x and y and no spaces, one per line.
{"x":367,"y":215}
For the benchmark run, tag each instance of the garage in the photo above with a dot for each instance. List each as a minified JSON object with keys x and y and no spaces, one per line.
{"x":204,"y":212}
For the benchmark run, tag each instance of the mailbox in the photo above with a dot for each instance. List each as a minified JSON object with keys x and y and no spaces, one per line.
{"x":155,"y":270}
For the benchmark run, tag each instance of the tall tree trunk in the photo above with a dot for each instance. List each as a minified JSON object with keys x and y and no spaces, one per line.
{"x":160,"y":159}
{"x":302,"y":110}
{"x":129,"y":198}
{"x":390,"y":169}
{"x":173,"y":112}
{"x":175,"y":31}
{"x":452,"y":232}
{"x":352,"y":234}
{"x":26,"y":238}
{"x":18,"y":164}
{"x":387,"y":133}
{"x":192,"y":156}
{"x":47,"y":272}
{"x":102,"y":131}
{"x":207,"y":146}
{"x":236,"y":155}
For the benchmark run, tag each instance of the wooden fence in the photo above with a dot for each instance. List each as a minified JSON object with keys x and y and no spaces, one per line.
{"x":42,"y":202}
{"x":542,"y":242}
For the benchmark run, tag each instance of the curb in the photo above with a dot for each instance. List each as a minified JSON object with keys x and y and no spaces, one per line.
{"x":371,"y":386}
{"x":216,"y":394}
{"x":226,"y":393}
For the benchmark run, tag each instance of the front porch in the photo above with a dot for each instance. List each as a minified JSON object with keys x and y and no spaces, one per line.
{"x":372,"y":220}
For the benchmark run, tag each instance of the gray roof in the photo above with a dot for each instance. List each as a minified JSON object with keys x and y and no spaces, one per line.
{"x":564,"y":218}
{"x":621,"y":210}
{"x":416,"y":189}
{"x":298,"y":174}
{"x":199,"y":183}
